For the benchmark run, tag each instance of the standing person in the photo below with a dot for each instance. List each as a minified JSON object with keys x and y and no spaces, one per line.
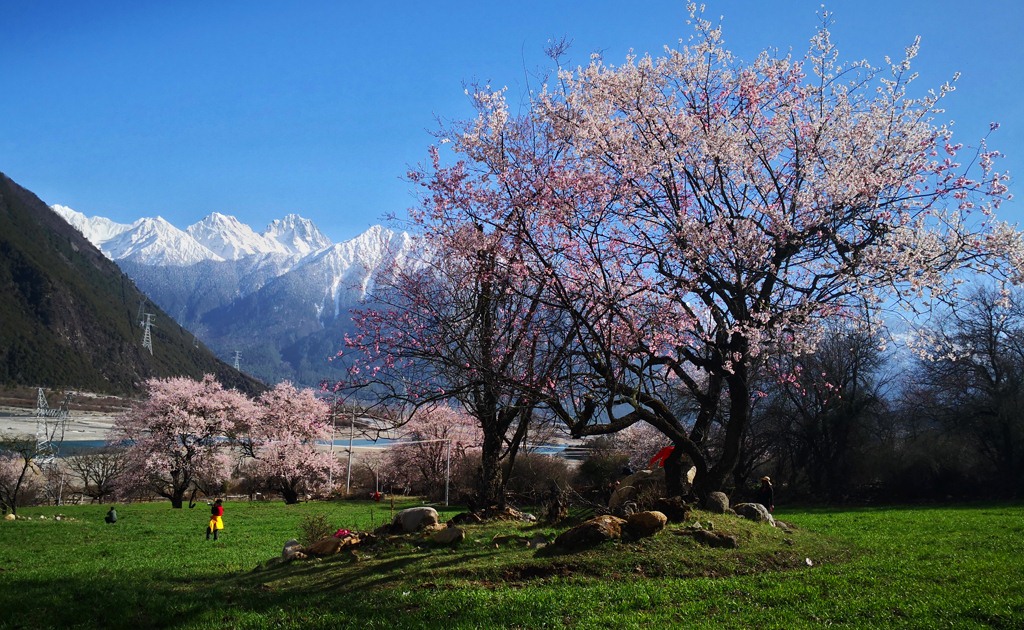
{"x":216,"y":519}
{"x":766,"y":494}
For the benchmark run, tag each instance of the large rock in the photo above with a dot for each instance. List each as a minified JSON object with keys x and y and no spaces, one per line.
{"x":644,"y":524}
{"x":620,"y":497}
{"x":591,"y":533}
{"x":325,"y":547}
{"x":754,"y":512}
{"x":415,"y":519}
{"x":448,"y":536}
{"x":641,"y":482}
{"x":717,"y":502}
{"x":292,"y":549}
{"x":675,"y":508}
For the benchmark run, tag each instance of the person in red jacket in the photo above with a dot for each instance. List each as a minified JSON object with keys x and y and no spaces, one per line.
{"x":216,"y":519}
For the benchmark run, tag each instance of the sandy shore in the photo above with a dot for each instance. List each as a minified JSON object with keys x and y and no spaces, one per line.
{"x":81,"y":425}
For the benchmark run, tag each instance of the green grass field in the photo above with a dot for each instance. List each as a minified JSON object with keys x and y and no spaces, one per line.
{"x":949,"y":567}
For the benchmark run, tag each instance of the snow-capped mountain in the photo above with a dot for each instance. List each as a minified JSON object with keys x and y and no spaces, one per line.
{"x":296,"y":234}
{"x":156,"y":242}
{"x":230,"y":239}
{"x":281,"y":298}
{"x":96,"y":229}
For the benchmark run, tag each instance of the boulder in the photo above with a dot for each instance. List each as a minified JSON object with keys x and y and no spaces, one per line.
{"x":291,"y":550}
{"x":754,"y":512}
{"x":591,"y":533}
{"x":448,"y":536}
{"x":715,"y":539}
{"x":325,"y":547}
{"x":632,"y":486}
{"x":415,"y":519}
{"x":644,"y":524}
{"x":620,"y":497}
{"x":674,"y":508}
{"x":717,"y":502}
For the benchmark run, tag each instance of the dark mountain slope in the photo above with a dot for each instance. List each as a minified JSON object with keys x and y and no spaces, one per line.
{"x":69,"y":316}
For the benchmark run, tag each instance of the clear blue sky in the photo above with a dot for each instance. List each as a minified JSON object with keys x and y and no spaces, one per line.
{"x":258,"y":109}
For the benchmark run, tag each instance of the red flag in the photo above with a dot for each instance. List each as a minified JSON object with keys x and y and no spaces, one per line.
{"x":662,"y":455}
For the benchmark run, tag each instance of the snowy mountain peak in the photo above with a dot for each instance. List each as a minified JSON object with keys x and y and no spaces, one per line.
{"x":296,"y":234}
{"x":97,"y":229}
{"x":157,"y":242}
{"x":231,"y":239}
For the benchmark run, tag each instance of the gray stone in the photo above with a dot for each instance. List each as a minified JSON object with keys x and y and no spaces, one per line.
{"x":416,"y":519}
{"x":448,"y":536}
{"x":291,"y":548}
{"x":754,"y":512}
{"x":717,"y":502}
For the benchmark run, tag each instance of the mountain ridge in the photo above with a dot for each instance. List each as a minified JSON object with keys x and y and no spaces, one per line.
{"x":283,"y":298}
{"x":71,"y":316}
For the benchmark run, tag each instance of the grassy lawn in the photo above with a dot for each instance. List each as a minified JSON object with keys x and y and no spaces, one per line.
{"x":949,"y":567}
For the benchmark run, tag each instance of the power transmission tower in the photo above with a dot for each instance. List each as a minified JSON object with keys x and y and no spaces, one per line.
{"x":147,"y":337}
{"x":51,"y":425}
{"x":238,"y":358}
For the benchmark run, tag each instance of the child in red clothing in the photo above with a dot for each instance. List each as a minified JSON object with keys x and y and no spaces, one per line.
{"x":216,"y":519}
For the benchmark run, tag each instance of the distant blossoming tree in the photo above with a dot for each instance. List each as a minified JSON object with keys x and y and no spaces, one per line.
{"x":281,"y":439}
{"x":438,"y":441}
{"x":691,"y":214}
{"x":178,"y":437}
{"x":19,"y":470}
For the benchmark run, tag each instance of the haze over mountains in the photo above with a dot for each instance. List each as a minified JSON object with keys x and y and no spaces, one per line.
{"x":281,"y":298}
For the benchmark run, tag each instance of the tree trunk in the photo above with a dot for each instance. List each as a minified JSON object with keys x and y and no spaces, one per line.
{"x":289,"y":492}
{"x":674,"y":473}
{"x":739,"y":418}
{"x":490,"y":489}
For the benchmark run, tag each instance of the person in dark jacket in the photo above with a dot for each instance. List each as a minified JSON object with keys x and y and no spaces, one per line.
{"x":766,"y":494}
{"x":111,"y":516}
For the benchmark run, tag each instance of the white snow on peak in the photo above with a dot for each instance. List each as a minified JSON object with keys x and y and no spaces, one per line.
{"x":297,"y":235}
{"x":231,"y":239}
{"x":157,"y":242}
{"x":97,"y":230}
{"x":348,"y":270}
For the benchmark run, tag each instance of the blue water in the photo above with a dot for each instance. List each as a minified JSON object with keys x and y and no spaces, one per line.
{"x":70,"y":447}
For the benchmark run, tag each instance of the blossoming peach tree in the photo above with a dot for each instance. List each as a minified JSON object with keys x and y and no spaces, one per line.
{"x":689,"y":215}
{"x":176,"y":437}
{"x":280,"y":439}
{"x":185,"y":437}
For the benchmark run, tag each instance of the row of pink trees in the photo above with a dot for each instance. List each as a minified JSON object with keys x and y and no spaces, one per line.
{"x":185,"y":438}
{"x":669,"y":224}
